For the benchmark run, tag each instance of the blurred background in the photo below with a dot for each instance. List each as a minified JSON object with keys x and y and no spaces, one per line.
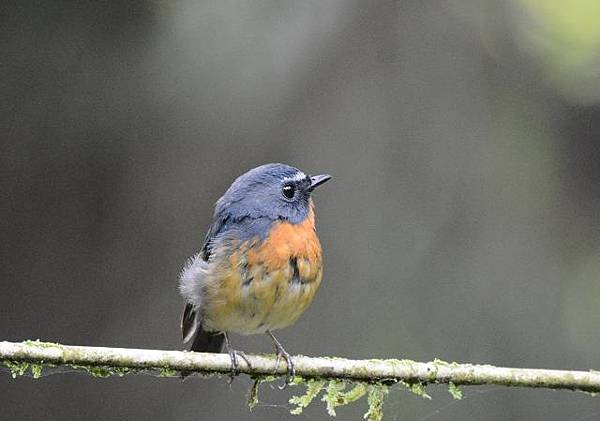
{"x":462,"y":222}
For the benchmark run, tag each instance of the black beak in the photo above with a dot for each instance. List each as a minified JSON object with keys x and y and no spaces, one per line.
{"x":317,"y":180}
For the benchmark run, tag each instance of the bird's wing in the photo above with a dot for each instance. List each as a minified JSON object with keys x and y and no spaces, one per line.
{"x":190,"y":281}
{"x":219,"y":224}
{"x":223,"y":232}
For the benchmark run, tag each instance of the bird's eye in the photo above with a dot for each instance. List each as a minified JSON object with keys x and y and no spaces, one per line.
{"x":288,"y":191}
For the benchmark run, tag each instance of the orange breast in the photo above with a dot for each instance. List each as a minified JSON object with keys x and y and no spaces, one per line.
{"x":268,"y":284}
{"x":287,"y":241}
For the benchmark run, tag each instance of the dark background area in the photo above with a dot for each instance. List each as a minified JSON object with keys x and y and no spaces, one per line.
{"x":462,"y":221}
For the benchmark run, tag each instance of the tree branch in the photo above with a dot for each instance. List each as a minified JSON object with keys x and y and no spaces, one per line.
{"x":171,"y":363}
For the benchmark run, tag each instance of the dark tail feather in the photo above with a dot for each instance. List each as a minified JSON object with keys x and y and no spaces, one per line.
{"x":204,"y":342}
{"x":191,"y":327}
{"x":207,"y":341}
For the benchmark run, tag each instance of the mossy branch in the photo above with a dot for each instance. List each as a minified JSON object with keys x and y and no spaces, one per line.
{"x":100,"y":361}
{"x":390,"y":370}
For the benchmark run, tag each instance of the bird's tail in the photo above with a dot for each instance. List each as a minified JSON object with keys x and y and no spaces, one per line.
{"x":203,"y":341}
{"x":191,"y":327}
{"x":207,"y":341}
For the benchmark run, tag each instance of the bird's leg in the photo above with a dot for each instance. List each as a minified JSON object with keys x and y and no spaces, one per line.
{"x":280,"y":352}
{"x":233,"y":355}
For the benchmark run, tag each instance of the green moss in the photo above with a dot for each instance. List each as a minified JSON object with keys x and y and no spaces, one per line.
{"x":98,"y":371}
{"x":377,"y":393}
{"x":41,"y":344}
{"x":104,"y":371}
{"x":455,"y":391}
{"x":333,"y":396}
{"x":354,"y":394}
{"x":122,"y":371}
{"x":313,"y":388}
{"x":16,"y":368}
{"x":36,"y":370}
{"x":168,"y":372}
{"x":253,"y":395}
{"x":416,"y":388}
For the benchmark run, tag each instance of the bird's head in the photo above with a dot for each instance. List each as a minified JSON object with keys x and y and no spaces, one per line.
{"x":275,"y":191}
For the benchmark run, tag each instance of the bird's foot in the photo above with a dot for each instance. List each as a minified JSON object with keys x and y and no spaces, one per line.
{"x":281,"y":353}
{"x":235,"y":368}
{"x":233,"y":356}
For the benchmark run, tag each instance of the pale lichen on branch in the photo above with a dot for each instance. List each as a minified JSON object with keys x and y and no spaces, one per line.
{"x":330,"y":376}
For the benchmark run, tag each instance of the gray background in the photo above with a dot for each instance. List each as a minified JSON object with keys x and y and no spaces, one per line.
{"x":462,"y":222}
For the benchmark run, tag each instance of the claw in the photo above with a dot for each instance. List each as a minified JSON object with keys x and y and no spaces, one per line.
{"x":233,"y":355}
{"x":280,"y":353}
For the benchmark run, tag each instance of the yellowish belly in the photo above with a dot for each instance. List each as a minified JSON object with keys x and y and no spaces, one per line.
{"x":269,"y":301}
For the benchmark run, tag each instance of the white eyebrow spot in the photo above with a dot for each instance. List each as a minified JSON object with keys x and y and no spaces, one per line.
{"x":299,"y":176}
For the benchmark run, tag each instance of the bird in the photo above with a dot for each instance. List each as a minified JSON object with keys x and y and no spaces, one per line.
{"x":260,"y":265}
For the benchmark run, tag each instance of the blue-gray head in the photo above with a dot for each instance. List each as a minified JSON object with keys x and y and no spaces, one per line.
{"x":273,"y":191}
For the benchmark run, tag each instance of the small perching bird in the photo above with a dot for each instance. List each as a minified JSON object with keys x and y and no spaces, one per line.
{"x":261,"y":263}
